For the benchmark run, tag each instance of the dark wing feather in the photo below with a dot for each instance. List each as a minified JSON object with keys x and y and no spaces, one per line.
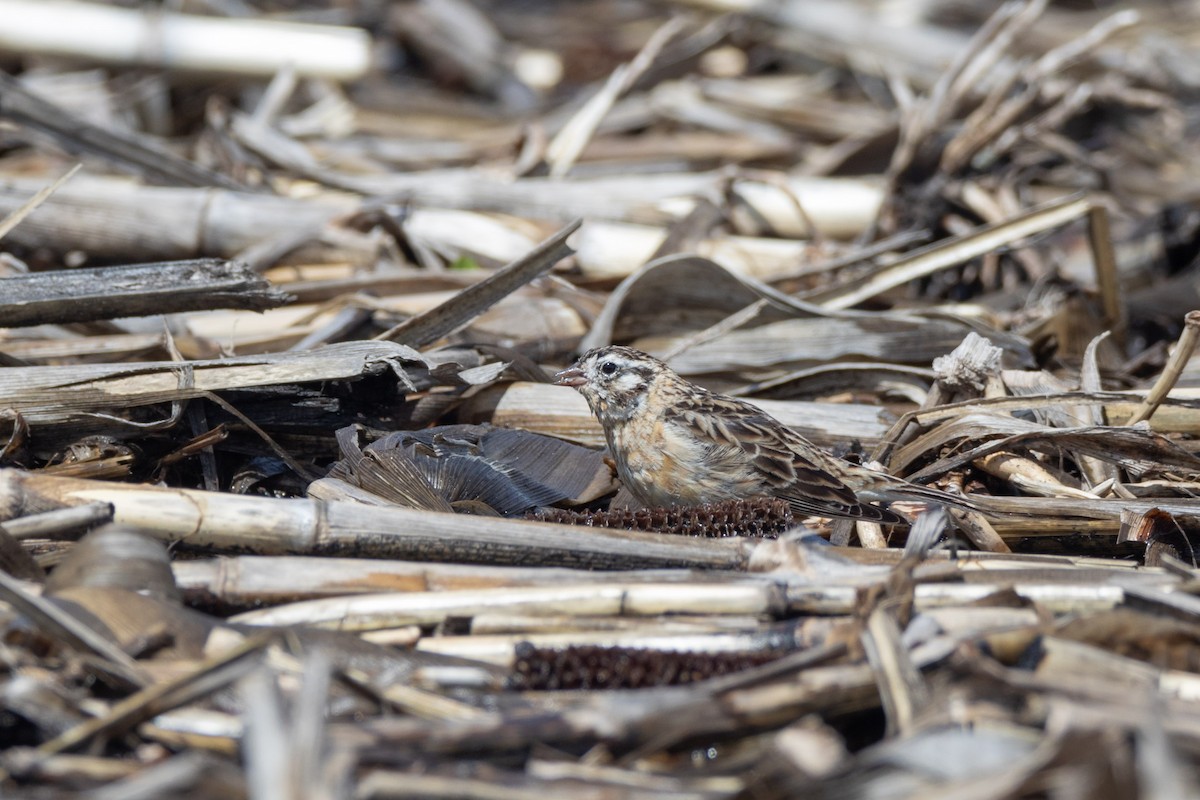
{"x":788,"y":465}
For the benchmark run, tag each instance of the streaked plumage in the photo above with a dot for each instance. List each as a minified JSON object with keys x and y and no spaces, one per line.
{"x":676,"y":443}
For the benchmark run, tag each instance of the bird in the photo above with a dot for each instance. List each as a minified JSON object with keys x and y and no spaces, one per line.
{"x":678,"y":444}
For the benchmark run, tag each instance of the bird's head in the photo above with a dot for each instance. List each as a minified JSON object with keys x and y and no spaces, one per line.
{"x":613,"y":379}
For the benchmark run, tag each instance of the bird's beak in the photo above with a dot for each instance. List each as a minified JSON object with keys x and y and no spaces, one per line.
{"x":572,"y":376}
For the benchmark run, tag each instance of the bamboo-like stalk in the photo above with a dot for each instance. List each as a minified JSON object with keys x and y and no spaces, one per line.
{"x":562,"y":412}
{"x":117,"y":219}
{"x":265,"y":525}
{"x":609,"y":250}
{"x":367,"y":612}
{"x":254,"y":581}
{"x":181,"y":41}
{"x":1059,"y":598}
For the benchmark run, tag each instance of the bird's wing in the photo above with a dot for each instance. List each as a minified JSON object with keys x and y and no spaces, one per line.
{"x":790,"y":467}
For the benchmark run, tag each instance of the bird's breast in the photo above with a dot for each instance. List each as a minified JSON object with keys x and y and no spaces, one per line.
{"x":663,"y":465}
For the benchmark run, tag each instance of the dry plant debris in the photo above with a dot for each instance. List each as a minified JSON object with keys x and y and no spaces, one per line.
{"x":288,"y":504}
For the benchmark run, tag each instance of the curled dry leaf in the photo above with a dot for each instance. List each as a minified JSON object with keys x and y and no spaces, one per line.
{"x":506,"y":472}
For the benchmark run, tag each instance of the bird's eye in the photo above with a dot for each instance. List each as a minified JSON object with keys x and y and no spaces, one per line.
{"x":608,"y":368}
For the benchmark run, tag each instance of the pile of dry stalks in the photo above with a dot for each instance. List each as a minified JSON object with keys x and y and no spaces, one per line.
{"x":278,"y":311}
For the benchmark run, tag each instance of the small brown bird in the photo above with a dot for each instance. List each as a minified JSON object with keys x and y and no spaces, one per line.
{"x":676,"y":443}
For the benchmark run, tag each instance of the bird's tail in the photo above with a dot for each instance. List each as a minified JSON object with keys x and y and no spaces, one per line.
{"x":871,"y":484}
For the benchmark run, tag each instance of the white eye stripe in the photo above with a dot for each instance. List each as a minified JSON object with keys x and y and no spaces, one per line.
{"x":630,"y":381}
